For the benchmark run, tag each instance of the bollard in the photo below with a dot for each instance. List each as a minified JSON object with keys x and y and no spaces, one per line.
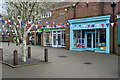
{"x":29,"y":52}
{"x":1,"y":54}
{"x":8,"y":43}
{"x":46,"y":55}
{"x":15,"y":58}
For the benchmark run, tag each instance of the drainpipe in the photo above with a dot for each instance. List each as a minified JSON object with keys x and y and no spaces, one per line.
{"x":74,"y":7}
{"x":113,"y":5}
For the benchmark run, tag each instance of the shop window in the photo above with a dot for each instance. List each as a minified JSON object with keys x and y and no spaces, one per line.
{"x":92,"y":39}
{"x":101,"y":39}
{"x":79,"y":39}
{"x":48,"y":38}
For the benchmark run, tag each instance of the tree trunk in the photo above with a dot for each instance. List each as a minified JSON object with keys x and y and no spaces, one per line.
{"x":24,"y":47}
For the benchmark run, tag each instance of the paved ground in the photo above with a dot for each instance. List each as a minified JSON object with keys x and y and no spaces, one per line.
{"x":72,"y":66}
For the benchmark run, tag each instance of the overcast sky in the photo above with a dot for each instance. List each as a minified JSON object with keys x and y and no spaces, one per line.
{"x":2,"y":11}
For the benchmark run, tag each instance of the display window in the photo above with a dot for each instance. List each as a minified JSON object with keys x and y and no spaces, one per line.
{"x":101,"y":39}
{"x":54,"y":38}
{"x":79,"y":39}
{"x":90,"y":39}
{"x":48,"y":39}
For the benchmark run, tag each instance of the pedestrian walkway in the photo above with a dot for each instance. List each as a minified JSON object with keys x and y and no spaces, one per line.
{"x":64,"y":64}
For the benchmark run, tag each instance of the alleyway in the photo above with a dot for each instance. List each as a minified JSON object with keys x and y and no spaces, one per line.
{"x":64,"y":64}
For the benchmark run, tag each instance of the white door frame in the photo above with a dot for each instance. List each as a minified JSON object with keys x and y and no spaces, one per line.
{"x":56,"y":34}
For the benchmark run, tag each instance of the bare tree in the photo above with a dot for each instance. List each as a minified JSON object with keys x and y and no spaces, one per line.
{"x":27,"y":12}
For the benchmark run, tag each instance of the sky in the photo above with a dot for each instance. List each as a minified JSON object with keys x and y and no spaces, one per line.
{"x":2,"y":11}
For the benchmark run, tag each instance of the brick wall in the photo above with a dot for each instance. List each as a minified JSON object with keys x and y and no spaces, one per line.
{"x":93,"y":9}
{"x":115,"y":38}
{"x":42,"y":38}
{"x":67,"y":33}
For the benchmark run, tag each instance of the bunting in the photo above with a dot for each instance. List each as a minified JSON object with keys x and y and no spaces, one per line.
{"x":117,"y":24}
{"x":9,"y":23}
{"x":112,"y":24}
{"x":102,"y":25}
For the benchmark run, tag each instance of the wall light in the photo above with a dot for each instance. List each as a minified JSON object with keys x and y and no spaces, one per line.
{"x":65,"y":9}
{"x":87,"y":3}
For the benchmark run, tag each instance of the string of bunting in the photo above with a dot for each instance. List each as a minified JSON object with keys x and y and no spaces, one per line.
{"x":9,"y":23}
{"x":97,"y":25}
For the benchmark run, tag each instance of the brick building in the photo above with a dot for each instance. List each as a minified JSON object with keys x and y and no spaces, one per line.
{"x":74,"y":12}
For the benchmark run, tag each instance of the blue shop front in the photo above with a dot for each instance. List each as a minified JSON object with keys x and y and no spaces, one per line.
{"x":90,"y":34}
{"x":118,"y":16}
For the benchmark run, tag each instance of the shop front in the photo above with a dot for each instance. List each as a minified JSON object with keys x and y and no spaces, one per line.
{"x":118,"y":16}
{"x":34,"y":37}
{"x":90,"y":34}
{"x":54,"y":37}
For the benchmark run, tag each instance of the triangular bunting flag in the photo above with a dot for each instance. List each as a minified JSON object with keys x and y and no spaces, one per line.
{"x":51,"y":26}
{"x":117,"y":24}
{"x":12,"y":22}
{"x":112,"y":24}
{"x":2,"y":21}
{"x":40,"y":26}
{"x":55,"y":26}
{"x":75,"y":25}
{"x":63,"y":26}
{"x":79,"y":25}
{"x":102,"y":25}
{"x":89,"y":25}
{"x":107,"y":24}
{"x":67,"y":25}
{"x":28,"y":25}
{"x":59,"y":24}
{"x":44,"y":26}
{"x":92,"y":25}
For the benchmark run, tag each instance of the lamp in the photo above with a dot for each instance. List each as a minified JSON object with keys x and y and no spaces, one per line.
{"x":87,"y":3}
{"x":65,"y":9}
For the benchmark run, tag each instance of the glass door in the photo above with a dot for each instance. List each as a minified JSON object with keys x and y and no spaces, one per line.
{"x":54,"y":39}
{"x":58,"y":39}
{"x":57,"y":36}
{"x":90,"y":41}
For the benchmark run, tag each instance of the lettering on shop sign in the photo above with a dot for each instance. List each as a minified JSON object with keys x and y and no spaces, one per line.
{"x":39,"y":30}
{"x":51,"y":29}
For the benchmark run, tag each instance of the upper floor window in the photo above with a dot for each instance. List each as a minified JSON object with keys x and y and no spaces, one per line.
{"x":46,"y":15}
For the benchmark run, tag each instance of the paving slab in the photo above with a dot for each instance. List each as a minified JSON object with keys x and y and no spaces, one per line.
{"x":64,"y":64}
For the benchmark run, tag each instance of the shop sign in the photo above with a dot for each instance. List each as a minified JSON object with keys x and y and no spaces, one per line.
{"x":53,"y":29}
{"x":39,"y":30}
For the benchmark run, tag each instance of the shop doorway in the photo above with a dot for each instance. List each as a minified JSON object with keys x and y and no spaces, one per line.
{"x":90,"y":45}
{"x":58,"y":39}
{"x":38,"y":38}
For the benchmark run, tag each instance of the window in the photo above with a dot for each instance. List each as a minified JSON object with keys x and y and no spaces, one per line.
{"x":79,"y":38}
{"x":46,"y":15}
{"x":101,"y":39}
